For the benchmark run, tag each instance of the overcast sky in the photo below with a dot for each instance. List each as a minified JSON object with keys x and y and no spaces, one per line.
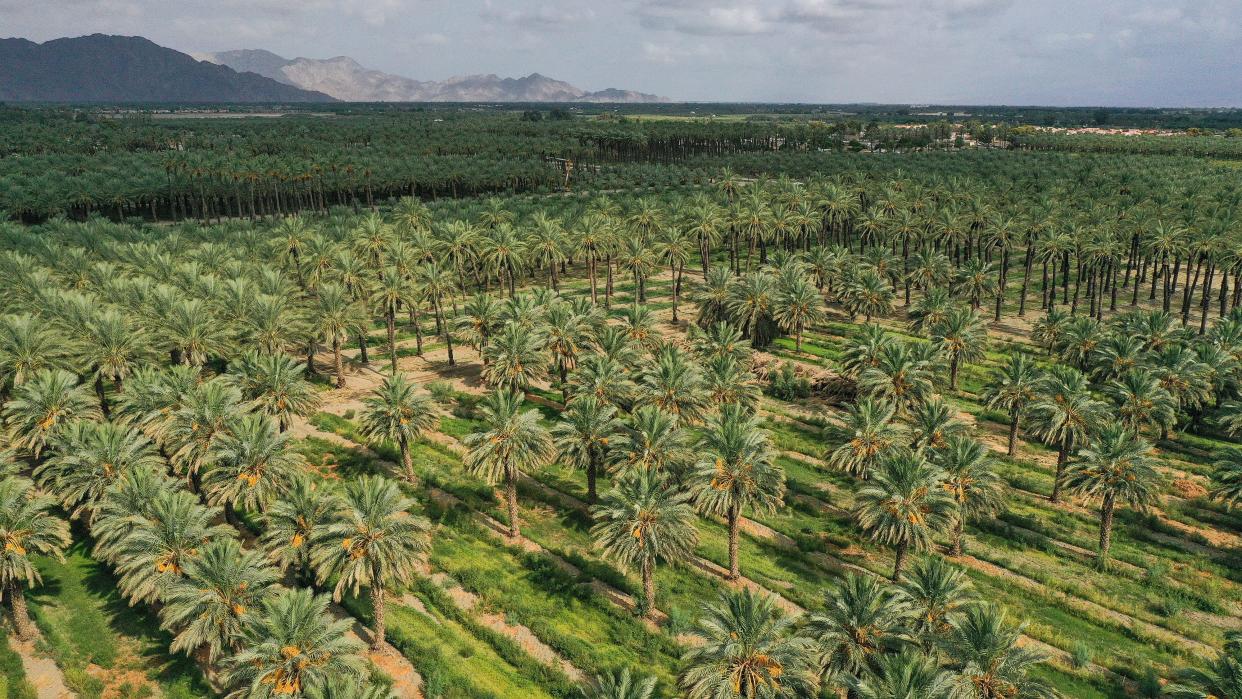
{"x":1051,"y":52}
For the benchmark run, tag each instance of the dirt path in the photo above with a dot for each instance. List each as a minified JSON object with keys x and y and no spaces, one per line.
{"x":41,"y":672}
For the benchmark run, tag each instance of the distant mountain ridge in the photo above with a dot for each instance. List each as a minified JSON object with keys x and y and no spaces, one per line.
{"x":103,"y":68}
{"x":346,"y":79}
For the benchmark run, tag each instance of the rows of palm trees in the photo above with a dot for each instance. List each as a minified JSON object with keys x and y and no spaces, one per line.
{"x":149,"y":380}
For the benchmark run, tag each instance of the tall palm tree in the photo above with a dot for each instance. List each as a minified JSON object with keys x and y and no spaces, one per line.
{"x":275,"y":385}
{"x":206,"y":413}
{"x":1142,"y":403}
{"x":1012,"y":388}
{"x":653,"y":439}
{"x":396,"y":412}
{"x":750,"y":303}
{"x":27,"y":528}
{"x":605,"y":378}
{"x":862,"y":619}
{"x":620,"y":685}
{"x":971,"y":478}
{"x":170,"y":530}
{"x":728,"y":382}
{"x":479,"y":319}
{"x":250,"y":465}
{"x":737,"y":472}
{"x":868,"y":434}
{"x":643,"y":521}
{"x":291,"y":647}
{"x":901,"y":376}
{"x":87,"y":457}
{"x":208,"y":607}
{"x":1227,"y":480}
{"x":1064,"y":415}
{"x":988,"y":660}
{"x":905,"y":675}
{"x":336,"y":318}
{"x":930,"y":310}
{"x":582,"y":436}
{"x":112,"y":347}
{"x":904,"y":505}
{"x":1118,"y":467}
{"x":293,"y":521}
{"x":516,"y":357}
{"x":437,"y":285}
{"x":962,"y":336}
{"x":746,"y":648}
{"x":42,"y":404}
{"x":511,"y":440}
{"x":674,"y":383}
{"x":376,"y":544}
{"x":798,"y":306}
{"x":936,"y":592}
{"x":566,"y":333}
{"x":391,"y":292}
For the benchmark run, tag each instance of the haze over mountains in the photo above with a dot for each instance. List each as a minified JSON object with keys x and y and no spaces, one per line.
{"x":345,"y":79}
{"x":101,"y":68}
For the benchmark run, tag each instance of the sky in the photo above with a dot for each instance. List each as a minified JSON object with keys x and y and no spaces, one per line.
{"x":1163,"y":53}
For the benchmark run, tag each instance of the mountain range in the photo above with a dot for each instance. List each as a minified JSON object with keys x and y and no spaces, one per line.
{"x":345,"y":79}
{"x":102,"y":68}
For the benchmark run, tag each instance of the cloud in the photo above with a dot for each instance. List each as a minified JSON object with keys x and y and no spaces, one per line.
{"x":541,"y":16}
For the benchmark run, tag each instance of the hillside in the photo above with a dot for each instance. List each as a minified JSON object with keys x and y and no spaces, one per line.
{"x":101,"y":68}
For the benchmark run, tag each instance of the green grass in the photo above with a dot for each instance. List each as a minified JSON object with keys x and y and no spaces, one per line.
{"x":13,"y":684}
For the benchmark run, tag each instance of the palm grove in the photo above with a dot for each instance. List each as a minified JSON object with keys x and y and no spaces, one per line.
{"x":151,"y":378}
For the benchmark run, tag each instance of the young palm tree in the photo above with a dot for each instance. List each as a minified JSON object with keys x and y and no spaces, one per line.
{"x":1013,"y":388}
{"x":738,"y":472}
{"x":904,"y":505}
{"x":208,"y":607}
{"x":28,"y":345}
{"x":798,"y":306}
{"x":27,"y":528}
{"x":511,"y":440}
{"x":864,"y":352}
{"x":112,"y":347}
{"x":42,"y":404}
{"x":1064,"y":414}
{"x":620,"y":685}
{"x":989,"y":662}
{"x":905,"y":675}
{"x":962,"y":336}
{"x":1227,"y":480}
{"x":869,"y":433}
{"x":863,"y":619}
{"x":395,"y":412}
{"x":293,"y":520}
{"x":275,"y":385}
{"x":87,"y":457}
{"x":936,"y":592}
{"x":582,"y":436}
{"x":516,"y":358}
{"x":1142,"y":403}
{"x":375,"y":544}
{"x":250,"y":465}
{"x":292,"y":647}
{"x":746,"y":648}
{"x":1118,"y":467}
{"x":970,"y":477}
{"x":644,"y":521}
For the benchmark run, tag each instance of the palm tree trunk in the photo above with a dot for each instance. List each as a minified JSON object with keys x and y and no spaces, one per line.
{"x":592,"y":475}
{"x":391,"y":317}
{"x":953,"y":367}
{"x":735,"y":517}
{"x":1106,"y":528}
{"x":21,"y":616}
{"x":407,"y":462}
{"x":339,"y":364}
{"x":899,"y":561}
{"x":1013,"y":433}
{"x":377,"y":603}
{"x":957,"y":535}
{"x":511,"y":498}
{"x":362,"y":348}
{"x":648,"y":587}
{"x":1062,"y":457}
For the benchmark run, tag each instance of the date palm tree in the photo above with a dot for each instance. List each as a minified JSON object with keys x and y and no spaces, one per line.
{"x":516,"y":358}
{"x":933,"y":425}
{"x":87,"y":457}
{"x":750,"y":303}
{"x":511,"y":441}
{"x":1227,"y":480}
{"x":962,"y":336}
{"x":250,"y":465}
{"x":904,"y":505}
{"x":439,"y":285}
{"x":479,"y":319}
{"x":746,"y":648}
{"x":988,"y":661}
{"x":868,"y":433}
{"x":904,"y":675}
{"x":1141,"y":401}
{"x":161,"y":541}
{"x":1117,"y":467}
{"x":208,"y":607}
{"x":642,"y":522}
{"x":291,"y":647}
{"x":336,"y":318}
{"x":863,"y":619}
{"x":971,"y":479}
{"x":737,"y":472}
{"x":1064,"y":415}
{"x":28,"y":345}
{"x":396,"y":412}
{"x":566,"y":333}
{"x":376,"y":544}
{"x":936,"y":592}
{"x":293,"y":521}
{"x":930,"y":310}
{"x":206,"y":413}
{"x":606,"y":379}
{"x":275,"y":385}
{"x":653,"y":440}
{"x":674,"y":383}
{"x":868,"y":295}
{"x":42,"y":404}
{"x":112,"y":347}
{"x":901,"y":376}
{"x":798,"y":306}
{"x":582,"y":436}
{"x":1012,"y":388}
{"x":620,"y":685}
{"x":727,"y":383}
{"x":28,"y":528}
